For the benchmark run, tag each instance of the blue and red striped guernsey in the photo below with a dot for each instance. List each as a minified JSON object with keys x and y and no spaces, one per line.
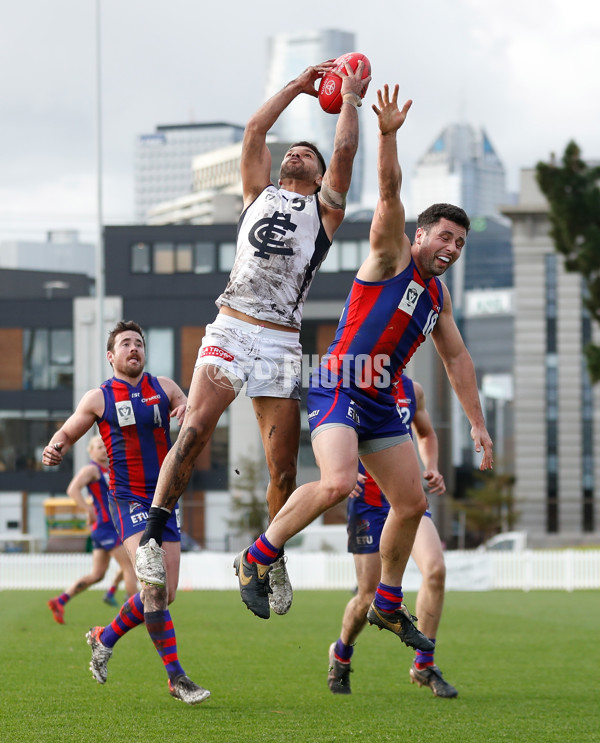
{"x":135,"y":431}
{"x":99,"y":492}
{"x":382,"y":325}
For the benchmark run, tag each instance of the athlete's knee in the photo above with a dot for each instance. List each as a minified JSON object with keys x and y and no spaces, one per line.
{"x":283,"y":477}
{"x":336,"y":488}
{"x":435,"y":574}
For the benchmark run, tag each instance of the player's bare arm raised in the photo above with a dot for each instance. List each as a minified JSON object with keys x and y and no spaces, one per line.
{"x":255,"y":163}
{"x":390,"y":247}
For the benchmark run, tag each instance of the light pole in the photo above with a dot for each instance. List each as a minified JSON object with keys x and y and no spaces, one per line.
{"x":99,"y":262}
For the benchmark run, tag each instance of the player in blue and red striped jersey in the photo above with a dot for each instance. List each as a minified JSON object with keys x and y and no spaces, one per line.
{"x":367,"y":511}
{"x":133,"y":411}
{"x":396,"y":301}
{"x":105,"y":540}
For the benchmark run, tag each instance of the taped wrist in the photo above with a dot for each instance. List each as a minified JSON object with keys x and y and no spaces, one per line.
{"x":353,"y":99}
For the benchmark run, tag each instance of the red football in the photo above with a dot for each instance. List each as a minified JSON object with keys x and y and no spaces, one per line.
{"x":331,"y":83}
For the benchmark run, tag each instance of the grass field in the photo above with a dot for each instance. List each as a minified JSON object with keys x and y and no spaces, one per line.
{"x":527,"y":667}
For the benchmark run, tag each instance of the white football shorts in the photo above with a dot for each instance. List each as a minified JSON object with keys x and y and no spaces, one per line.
{"x":268,"y":361}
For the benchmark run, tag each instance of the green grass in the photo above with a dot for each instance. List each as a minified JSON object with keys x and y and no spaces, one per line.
{"x":526,"y":666}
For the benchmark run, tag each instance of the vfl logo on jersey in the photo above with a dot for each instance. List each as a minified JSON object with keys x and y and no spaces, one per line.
{"x":411,"y":297}
{"x":267,"y":235}
{"x":125,"y":414}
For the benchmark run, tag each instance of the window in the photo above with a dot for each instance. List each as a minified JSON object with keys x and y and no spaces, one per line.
{"x":183,"y":257}
{"x":160,"y":352}
{"x":47,"y":359}
{"x":140,"y":258}
{"x":226,"y":256}
{"x":331,"y":264}
{"x":350,"y":256}
{"x":204,"y":257}
{"x":23,"y":438}
{"x":164,"y":258}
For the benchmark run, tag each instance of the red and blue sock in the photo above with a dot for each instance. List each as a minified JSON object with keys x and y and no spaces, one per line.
{"x":63,"y":598}
{"x":343,"y":652}
{"x":388,"y":598}
{"x":162,"y":633}
{"x":424,"y":659}
{"x":111,"y":592}
{"x":130,"y":615}
{"x":263,"y":552}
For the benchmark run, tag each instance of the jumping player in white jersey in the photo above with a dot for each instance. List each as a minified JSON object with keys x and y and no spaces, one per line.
{"x":284,"y":235}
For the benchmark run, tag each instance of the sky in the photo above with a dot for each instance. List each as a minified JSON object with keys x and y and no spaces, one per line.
{"x":528,"y":71}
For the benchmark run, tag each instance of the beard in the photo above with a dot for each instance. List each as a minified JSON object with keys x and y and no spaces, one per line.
{"x":294,"y":169}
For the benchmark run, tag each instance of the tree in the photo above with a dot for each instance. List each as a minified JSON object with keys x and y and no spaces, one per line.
{"x":489,"y":507}
{"x":574,"y":198}
{"x":248,"y":499}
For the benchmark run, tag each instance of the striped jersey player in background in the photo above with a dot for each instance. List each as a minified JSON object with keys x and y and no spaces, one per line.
{"x":133,"y":411}
{"x":106,"y":543}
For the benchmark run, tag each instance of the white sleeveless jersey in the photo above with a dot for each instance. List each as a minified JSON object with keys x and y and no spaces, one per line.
{"x":281,"y":243}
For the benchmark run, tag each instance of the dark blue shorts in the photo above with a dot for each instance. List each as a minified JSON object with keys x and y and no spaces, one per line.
{"x":129,"y":516}
{"x":377,"y":425}
{"x":365,"y":524}
{"x":104,"y":536}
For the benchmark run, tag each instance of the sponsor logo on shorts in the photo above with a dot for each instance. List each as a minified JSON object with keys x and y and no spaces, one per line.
{"x":362,"y":525}
{"x":134,"y":507}
{"x":216,"y":351}
{"x":139,"y":518}
{"x":353,"y":415}
{"x":313,"y":414}
{"x":364,"y":540}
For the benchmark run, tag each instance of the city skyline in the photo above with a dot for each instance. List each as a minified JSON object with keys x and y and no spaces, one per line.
{"x":504,"y":66}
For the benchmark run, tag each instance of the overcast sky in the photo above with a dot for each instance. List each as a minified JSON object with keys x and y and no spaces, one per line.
{"x":526,"y":70}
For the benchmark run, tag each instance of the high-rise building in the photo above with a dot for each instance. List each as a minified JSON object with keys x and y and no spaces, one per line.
{"x":461,"y":167}
{"x":163,"y":160}
{"x":303,"y":119}
{"x":557,"y":426}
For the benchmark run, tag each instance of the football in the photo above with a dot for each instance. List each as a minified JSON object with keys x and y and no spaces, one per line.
{"x":331,"y":83}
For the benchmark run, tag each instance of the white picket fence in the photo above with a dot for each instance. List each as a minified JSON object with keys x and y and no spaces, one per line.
{"x":565,"y":570}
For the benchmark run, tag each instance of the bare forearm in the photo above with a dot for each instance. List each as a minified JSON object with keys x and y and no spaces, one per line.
{"x":429,"y":452}
{"x":266,"y":116}
{"x":461,"y":373}
{"x":388,"y":167}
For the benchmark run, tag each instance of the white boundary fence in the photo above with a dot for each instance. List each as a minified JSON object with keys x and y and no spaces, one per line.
{"x":566,"y":570}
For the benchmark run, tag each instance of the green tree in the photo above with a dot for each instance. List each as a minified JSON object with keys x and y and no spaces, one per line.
{"x":489,"y":507}
{"x":248,"y":500}
{"x":574,"y":199}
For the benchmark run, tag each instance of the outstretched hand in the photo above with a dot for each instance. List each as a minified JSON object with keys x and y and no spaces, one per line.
{"x":308,"y":78}
{"x":390,"y":117}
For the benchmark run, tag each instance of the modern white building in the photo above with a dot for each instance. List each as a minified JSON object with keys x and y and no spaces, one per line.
{"x":461,"y":167}
{"x":556,"y":408}
{"x":217,"y":188}
{"x":288,"y":55}
{"x":163,"y":160}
